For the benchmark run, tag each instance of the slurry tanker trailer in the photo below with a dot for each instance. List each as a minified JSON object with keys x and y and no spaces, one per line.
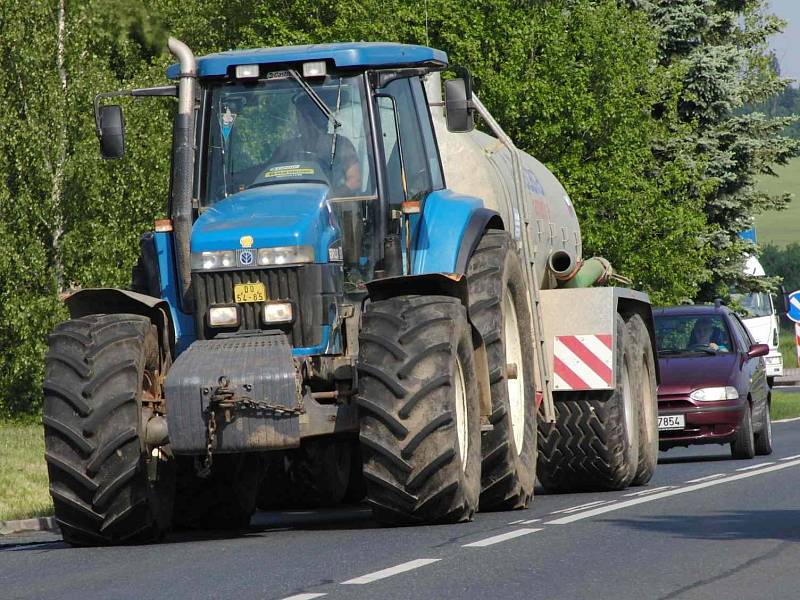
{"x":356,"y":294}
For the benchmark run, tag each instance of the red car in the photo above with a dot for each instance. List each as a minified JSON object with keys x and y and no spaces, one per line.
{"x":713,"y":381}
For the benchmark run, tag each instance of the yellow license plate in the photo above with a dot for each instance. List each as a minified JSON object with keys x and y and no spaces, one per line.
{"x":249,"y":292}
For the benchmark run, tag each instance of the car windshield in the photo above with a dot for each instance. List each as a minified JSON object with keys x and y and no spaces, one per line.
{"x":757,"y":304}
{"x":692,"y":335}
{"x":271,"y":132}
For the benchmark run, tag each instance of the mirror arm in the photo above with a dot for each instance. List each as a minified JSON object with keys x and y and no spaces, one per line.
{"x":159,"y":91}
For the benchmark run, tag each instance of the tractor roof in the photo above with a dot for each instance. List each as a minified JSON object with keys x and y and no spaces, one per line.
{"x":343,"y":55}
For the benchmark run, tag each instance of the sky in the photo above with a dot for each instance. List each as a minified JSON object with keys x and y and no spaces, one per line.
{"x":787,"y":44}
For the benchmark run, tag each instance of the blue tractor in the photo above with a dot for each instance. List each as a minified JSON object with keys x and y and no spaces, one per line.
{"x":322,"y":317}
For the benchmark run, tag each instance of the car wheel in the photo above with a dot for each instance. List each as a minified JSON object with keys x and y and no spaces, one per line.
{"x":764,"y":437}
{"x":743,"y":445}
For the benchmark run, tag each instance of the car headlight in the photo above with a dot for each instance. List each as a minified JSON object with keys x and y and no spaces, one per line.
{"x":285,"y":255}
{"x":220,"y":259}
{"x":715,"y":394}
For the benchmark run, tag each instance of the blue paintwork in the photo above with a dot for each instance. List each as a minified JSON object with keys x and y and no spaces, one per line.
{"x":289,"y":214}
{"x":325,"y":346}
{"x":343,"y":55}
{"x":437,"y":239}
{"x":182,"y":322}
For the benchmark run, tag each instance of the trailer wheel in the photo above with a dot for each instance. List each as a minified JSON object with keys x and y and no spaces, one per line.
{"x":226,"y":499}
{"x":107,"y":486}
{"x":419,"y":411}
{"x":643,"y":380}
{"x":594,"y":443}
{"x":499,"y":309}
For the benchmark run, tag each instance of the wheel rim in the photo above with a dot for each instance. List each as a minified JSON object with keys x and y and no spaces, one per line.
{"x":462,"y":423}
{"x":516,"y":387}
{"x":627,"y":402}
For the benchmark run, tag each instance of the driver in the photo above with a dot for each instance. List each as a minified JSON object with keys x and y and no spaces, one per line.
{"x":313,"y":138}
{"x":704,"y":334}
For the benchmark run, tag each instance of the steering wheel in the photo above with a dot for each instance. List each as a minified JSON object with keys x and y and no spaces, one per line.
{"x":703,"y":347}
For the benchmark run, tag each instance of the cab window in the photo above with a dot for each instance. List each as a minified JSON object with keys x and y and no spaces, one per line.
{"x":408,"y":174}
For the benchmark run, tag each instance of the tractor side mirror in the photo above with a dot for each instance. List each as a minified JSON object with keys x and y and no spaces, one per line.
{"x":111,"y":131}
{"x":458,"y":104}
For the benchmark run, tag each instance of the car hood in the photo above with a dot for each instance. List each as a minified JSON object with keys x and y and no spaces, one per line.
{"x":682,"y":374}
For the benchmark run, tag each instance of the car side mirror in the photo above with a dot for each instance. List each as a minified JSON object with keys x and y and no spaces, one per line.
{"x":111,"y":131}
{"x":757,"y":350}
{"x":458,"y":105}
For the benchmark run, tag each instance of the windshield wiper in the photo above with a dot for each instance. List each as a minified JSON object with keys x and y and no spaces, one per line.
{"x":315,"y":98}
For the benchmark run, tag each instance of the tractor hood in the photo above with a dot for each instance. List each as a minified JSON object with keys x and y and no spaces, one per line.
{"x":296,"y":214}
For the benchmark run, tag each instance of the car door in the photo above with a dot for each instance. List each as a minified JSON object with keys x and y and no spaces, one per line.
{"x":754,"y":368}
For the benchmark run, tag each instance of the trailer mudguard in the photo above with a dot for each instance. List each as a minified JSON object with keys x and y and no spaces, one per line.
{"x":579,"y":331}
{"x":449,"y":228}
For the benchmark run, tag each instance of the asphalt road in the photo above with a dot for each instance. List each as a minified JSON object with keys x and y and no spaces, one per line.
{"x":705,"y":527}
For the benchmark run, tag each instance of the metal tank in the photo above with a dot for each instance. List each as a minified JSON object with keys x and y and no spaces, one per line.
{"x":478,"y":164}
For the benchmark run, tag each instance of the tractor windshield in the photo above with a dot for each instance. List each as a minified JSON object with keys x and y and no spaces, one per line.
{"x":271,"y":132}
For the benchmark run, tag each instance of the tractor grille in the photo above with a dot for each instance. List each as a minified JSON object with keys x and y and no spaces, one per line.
{"x":281,"y":283}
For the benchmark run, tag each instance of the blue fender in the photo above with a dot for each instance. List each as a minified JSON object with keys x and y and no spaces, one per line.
{"x":449,"y":228}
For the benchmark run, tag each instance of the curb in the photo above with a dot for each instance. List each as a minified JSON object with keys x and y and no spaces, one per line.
{"x":23,"y":525}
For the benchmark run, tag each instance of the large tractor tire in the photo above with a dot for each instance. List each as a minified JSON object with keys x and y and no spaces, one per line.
{"x":643,"y":381}
{"x":419,"y":411}
{"x":594,"y":443}
{"x":226,"y":499}
{"x":107,"y":486}
{"x":500,"y":310}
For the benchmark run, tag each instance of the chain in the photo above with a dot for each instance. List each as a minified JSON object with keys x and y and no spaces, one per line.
{"x":224,"y":398}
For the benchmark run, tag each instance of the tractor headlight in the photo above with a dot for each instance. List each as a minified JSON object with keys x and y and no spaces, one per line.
{"x":285,"y":255}
{"x":221,"y":259}
{"x":715,"y":394}
{"x":223,"y":316}
{"x":277,"y":312}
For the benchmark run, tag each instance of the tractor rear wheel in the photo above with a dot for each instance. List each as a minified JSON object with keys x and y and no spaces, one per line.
{"x":226,"y":499}
{"x":107,"y":486}
{"x":594,"y":443}
{"x":643,"y":380}
{"x":419,"y":411}
{"x":499,"y":309}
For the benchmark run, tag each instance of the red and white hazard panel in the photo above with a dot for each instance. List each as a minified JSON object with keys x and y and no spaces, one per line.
{"x":583,"y":362}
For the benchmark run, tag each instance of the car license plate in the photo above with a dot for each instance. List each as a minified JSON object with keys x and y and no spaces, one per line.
{"x":671,"y":422}
{"x":249,"y":292}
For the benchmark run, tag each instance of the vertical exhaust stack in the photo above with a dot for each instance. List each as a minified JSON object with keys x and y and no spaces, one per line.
{"x":183,"y":167}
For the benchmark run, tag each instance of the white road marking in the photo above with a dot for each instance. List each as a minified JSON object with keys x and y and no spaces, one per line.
{"x":384,"y":573}
{"x":791,"y":457}
{"x":304,"y":596}
{"x":787,"y":420}
{"x":517,"y":522}
{"x":496,"y":539}
{"x":758,"y":466}
{"x":579,"y":507}
{"x":529,"y":521}
{"x":665,"y":494}
{"x":706,"y":478}
{"x":652,"y":491}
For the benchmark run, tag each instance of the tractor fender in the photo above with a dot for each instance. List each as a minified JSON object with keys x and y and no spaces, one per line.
{"x":440,"y":284}
{"x":115,"y":301}
{"x":448,"y":230}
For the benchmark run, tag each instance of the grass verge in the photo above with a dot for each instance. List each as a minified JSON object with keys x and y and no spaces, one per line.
{"x":785,"y":405}
{"x":23,"y":473}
